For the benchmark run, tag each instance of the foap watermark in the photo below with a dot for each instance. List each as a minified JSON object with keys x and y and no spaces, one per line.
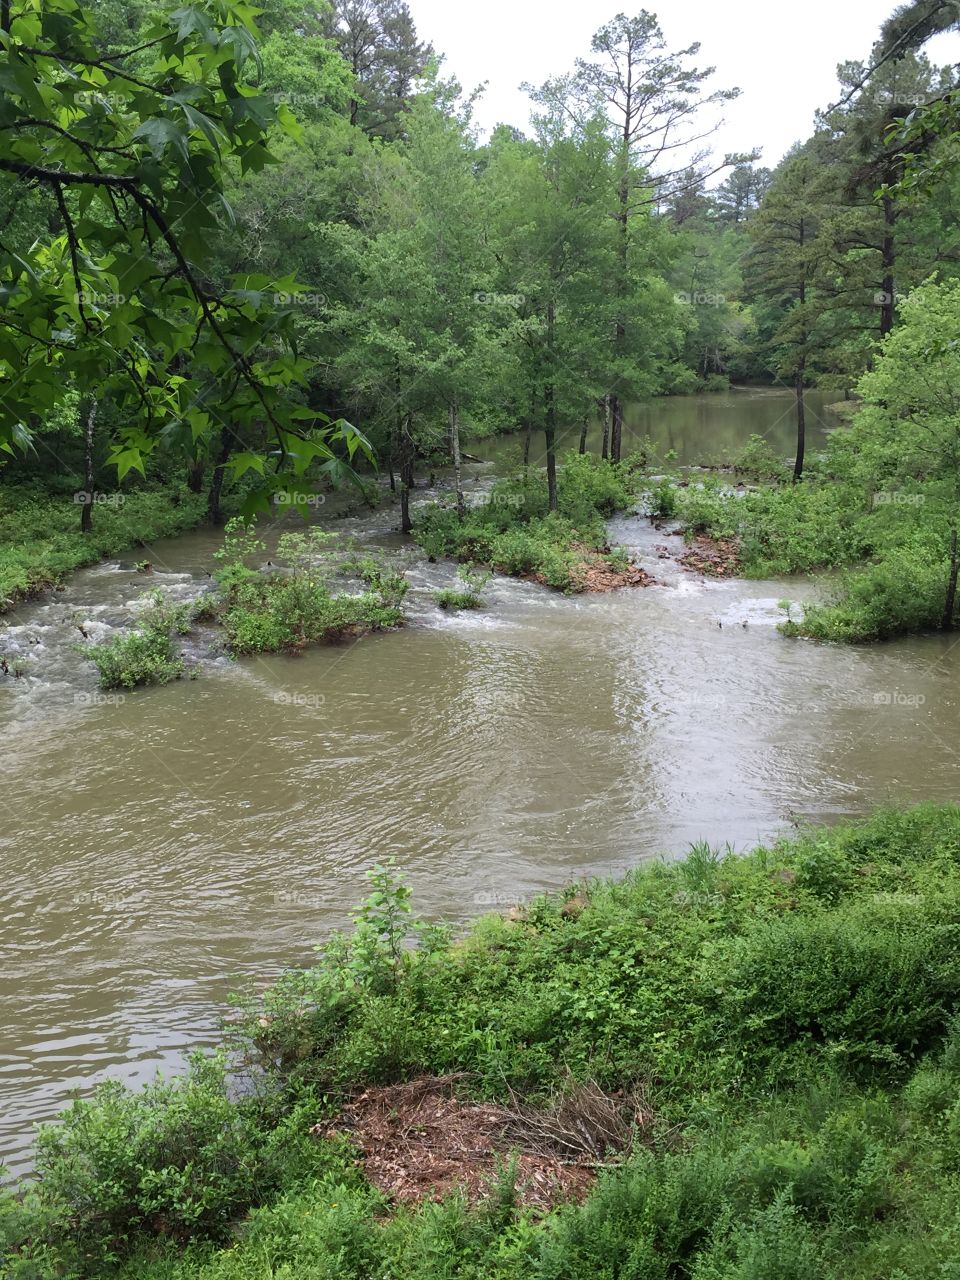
{"x":110,"y":898}
{"x":485,"y":299}
{"x":298,"y":898}
{"x":700,"y":299}
{"x":310,"y":301}
{"x":91,"y":498}
{"x":883,"y":299}
{"x":492,"y":898}
{"x":513,"y":501}
{"x":285,"y":499}
{"x":891,"y":498}
{"x":298,"y":101}
{"x":312,"y":701}
{"x":101,"y":300}
{"x":716,"y":701}
{"x":898,"y":698}
{"x":97,"y":699}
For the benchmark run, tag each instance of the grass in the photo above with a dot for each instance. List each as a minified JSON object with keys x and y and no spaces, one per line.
{"x":790,"y":1016}
{"x":40,"y":541}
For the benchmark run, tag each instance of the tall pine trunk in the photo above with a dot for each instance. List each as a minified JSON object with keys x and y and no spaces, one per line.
{"x":888,"y":259}
{"x":623,"y":266}
{"x":550,"y":416}
{"x":406,"y":473}
{"x":605,"y":438}
{"x":86,"y":510}
{"x":583,"y":433}
{"x":528,"y":436}
{"x":453,"y":416}
{"x":801,"y":424}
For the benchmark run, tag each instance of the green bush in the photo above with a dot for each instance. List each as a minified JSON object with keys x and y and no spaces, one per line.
{"x":146,"y":655}
{"x":902,"y":594}
{"x":513,"y":531}
{"x":872,"y":984}
{"x":468,"y":595}
{"x":177,"y":1160}
{"x":284,"y":610}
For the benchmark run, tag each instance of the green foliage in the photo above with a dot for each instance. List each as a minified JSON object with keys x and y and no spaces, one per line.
{"x":513,"y":531}
{"x":178,"y":1160}
{"x":871,"y":984}
{"x":283,"y":610}
{"x":759,"y":461}
{"x":116,"y":284}
{"x":468,"y":595}
{"x":146,"y":655}
{"x":903,"y":594}
{"x":40,"y":539}
{"x":790,"y":1017}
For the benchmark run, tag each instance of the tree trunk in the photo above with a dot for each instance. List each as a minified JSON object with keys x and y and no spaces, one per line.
{"x":623,"y":266}
{"x":888,"y":258}
{"x":949,"y":607}
{"x":583,"y":433}
{"x":86,"y":510}
{"x":454,"y":418}
{"x":195,"y":475}
{"x":550,"y":415}
{"x":616,"y":427}
{"x":406,"y":474}
{"x":801,"y":425}
{"x":529,"y":432}
{"x":605,"y":439}
{"x":214,"y":513}
{"x":550,"y":440}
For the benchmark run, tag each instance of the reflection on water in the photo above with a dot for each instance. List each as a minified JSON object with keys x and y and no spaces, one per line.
{"x":157,"y":847}
{"x":699,"y":429}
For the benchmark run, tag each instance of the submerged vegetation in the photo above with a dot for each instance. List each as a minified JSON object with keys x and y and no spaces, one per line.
{"x":280,"y":608}
{"x":788,"y":1018}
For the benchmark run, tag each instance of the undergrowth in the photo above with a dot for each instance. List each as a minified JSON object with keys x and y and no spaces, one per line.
{"x":791,"y":1017}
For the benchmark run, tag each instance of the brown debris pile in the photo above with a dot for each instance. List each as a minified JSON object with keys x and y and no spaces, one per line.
{"x":598,"y":574}
{"x":714,"y":557}
{"x":601,"y":577}
{"x":418,"y":1141}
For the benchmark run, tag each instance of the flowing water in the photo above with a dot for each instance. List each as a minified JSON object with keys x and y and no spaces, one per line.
{"x":156,"y":846}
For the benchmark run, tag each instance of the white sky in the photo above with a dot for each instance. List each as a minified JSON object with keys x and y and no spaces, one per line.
{"x":781,"y":55}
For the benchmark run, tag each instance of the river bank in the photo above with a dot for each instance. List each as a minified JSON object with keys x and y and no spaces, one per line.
{"x":735,"y":1065}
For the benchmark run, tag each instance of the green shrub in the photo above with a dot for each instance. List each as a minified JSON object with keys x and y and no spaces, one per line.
{"x":513,"y":531}
{"x":757,"y":460}
{"x":146,"y":655}
{"x":177,"y":1160}
{"x":902,"y":594}
{"x":284,"y":610}
{"x":873,"y":985}
{"x":468,"y":595}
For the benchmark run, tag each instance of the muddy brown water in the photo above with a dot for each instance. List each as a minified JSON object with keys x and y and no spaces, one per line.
{"x":156,"y":848}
